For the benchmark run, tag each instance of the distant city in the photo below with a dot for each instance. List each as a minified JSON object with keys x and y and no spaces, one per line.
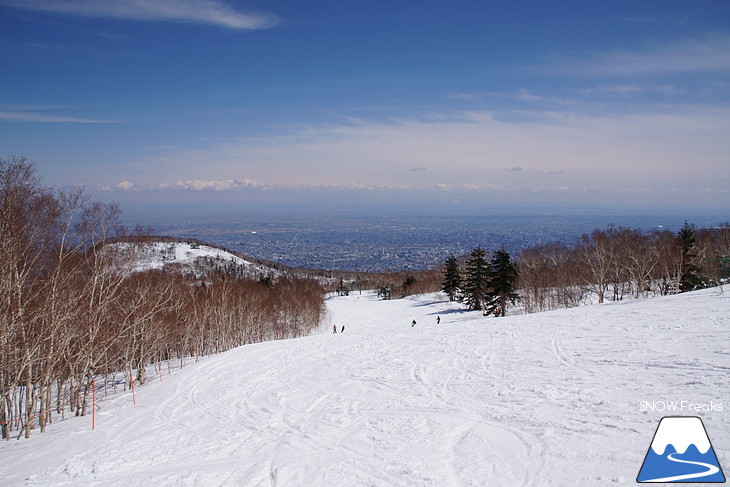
{"x":381,"y":243}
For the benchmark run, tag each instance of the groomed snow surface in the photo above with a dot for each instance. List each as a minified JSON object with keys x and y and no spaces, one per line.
{"x":551,"y":399}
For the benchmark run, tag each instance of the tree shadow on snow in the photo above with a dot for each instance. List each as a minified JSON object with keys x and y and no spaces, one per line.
{"x":430,"y":303}
{"x":450,"y":312}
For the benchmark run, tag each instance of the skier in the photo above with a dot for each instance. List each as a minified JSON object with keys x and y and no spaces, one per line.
{"x":413,"y":324}
{"x":438,"y":320}
{"x":334,"y":328}
{"x":343,"y":329}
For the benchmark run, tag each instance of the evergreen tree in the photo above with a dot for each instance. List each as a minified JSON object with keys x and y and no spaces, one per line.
{"x":343,"y":289}
{"x":688,"y":278}
{"x":452,"y":278}
{"x":384,"y":292}
{"x":476,"y":281}
{"x":501,"y":283}
{"x":407,"y":284}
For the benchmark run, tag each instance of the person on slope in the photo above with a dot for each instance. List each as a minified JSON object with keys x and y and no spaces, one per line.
{"x":334,"y":328}
{"x":438,"y":320}
{"x":413,"y":323}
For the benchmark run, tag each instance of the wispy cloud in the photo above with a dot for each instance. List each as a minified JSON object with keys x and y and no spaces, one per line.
{"x":463,"y":96}
{"x":302,"y":195}
{"x":236,"y":185}
{"x":124,"y":186}
{"x":211,"y":12}
{"x":217,"y":185}
{"x":653,"y":149}
{"x":213,"y":185}
{"x":665,"y":19}
{"x":29,"y":116}
{"x":708,"y":55}
{"x":634,"y":89}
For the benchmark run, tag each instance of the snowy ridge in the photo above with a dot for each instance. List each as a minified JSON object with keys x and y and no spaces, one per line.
{"x":680,"y":432}
{"x":192,"y":255}
{"x":550,"y":399}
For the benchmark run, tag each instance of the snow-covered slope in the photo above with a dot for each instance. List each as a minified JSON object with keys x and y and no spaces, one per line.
{"x":552,"y":399}
{"x":191,"y":256}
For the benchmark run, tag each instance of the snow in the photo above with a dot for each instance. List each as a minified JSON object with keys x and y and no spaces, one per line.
{"x":550,"y":399}
{"x":156,"y":255}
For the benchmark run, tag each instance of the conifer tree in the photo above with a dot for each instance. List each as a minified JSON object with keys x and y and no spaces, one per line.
{"x":688,"y":278}
{"x":452,"y":278}
{"x":501,"y":283}
{"x":476,"y":281}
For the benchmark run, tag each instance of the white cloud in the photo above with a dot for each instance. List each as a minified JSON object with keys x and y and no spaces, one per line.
{"x":126,"y":186}
{"x":709,"y":55}
{"x":527,"y":95}
{"x":233,"y":185}
{"x":684,"y":148}
{"x":631,"y":89}
{"x":212,"y":12}
{"x":26,"y":116}
{"x":214,"y":185}
{"x":464,"y":96}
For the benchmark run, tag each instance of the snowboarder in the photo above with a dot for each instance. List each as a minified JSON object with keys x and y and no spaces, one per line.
{"x":413,"y":324}
{"x":334,"y":328}
{"x":343,"y":329}
{"x":438,"y":320}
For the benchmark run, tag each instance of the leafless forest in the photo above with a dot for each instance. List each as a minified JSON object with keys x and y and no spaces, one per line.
{"x":606,"y":265}
{"x":619,"y":263}
{"x":71,"y":312}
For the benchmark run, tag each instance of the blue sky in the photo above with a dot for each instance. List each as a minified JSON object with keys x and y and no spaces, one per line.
{"x":456,"y":104}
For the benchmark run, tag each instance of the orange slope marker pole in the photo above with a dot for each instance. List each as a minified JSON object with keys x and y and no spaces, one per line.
{"x":93,"y":405}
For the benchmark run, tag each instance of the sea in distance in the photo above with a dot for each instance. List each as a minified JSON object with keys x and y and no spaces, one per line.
{"x":371,"y":242}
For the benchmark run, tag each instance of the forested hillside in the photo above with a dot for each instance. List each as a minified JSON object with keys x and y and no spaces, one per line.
{"x":75,"y":306}
{"x":610,"y":264}
{"x":618,"y":263}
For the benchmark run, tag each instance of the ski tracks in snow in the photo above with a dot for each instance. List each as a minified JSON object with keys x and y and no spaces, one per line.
{"x":541,"y":400}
